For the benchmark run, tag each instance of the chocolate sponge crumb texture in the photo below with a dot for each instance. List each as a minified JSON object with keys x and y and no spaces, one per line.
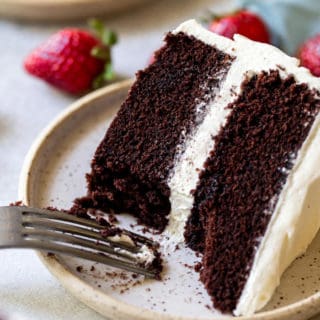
{"x":131,"y":166}
{"x":216,"y":146}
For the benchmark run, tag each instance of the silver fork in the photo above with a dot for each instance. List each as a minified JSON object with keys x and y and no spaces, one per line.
{"x":59,"y":232}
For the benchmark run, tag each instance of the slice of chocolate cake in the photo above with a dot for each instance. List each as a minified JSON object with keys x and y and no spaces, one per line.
{"x":217,"y":145}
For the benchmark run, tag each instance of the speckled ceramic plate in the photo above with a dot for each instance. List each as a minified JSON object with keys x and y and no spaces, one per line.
{"x":54,"y":174}
{"x":52,"y":10}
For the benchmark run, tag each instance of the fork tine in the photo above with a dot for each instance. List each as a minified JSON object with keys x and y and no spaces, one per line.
{"x":72,"y":240}
{"x":89,"y":255}
{"x":58,"y":215}
{"x":57,"y":232}
{"x":43,"y":222}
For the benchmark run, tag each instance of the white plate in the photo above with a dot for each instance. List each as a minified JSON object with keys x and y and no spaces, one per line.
{"x":54,"y":174}
{"x":49,"y":10}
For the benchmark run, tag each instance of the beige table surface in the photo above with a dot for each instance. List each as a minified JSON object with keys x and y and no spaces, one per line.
{"x":27,"y":105}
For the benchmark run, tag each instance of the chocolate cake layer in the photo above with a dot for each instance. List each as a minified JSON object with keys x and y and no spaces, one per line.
{"x":132,"y":164}
{"x":243,"y":177}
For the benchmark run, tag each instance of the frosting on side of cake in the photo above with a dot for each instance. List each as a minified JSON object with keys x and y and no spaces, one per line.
{"x":290,"y":231}
{"x":294,"y":224}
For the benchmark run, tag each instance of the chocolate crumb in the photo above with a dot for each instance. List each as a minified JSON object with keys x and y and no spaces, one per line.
{"x":79,"y":268}
{"x":112,"y":218}
{"x":197,"y":267}
{"x":18,"y":203}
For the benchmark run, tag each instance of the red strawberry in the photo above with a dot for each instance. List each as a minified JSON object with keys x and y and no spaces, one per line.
{"x":309,"y":55}
{"x":243,"y":22}
{"x":72,"y":59}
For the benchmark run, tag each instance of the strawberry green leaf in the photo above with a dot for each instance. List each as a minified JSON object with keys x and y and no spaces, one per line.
{"x":103,"y":78}
{"x":109,"y":38}
{"x":108,"y":72}
{"x":98,"y":82}
{"x":103,"y":52}
{"x":97,"y":26}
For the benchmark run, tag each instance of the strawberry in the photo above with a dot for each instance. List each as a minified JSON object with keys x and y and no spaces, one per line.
{"x":74,"y":60}
{"x":309,"y":54}
{"x":243,"y":22}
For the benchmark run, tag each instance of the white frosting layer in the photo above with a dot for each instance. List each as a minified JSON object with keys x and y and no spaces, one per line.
{"x":293,"y":224}
{"x":184,"y":178}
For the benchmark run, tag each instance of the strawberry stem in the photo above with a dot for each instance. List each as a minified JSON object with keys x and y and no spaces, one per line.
{"x":101,"y":52}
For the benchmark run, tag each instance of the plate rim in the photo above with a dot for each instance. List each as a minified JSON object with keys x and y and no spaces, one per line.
{"x":55,"y":3}
{"x":62,"y":10}
{"x":80,"y":289}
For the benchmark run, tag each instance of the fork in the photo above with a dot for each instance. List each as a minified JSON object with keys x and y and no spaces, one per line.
{"x":62,"y":233}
